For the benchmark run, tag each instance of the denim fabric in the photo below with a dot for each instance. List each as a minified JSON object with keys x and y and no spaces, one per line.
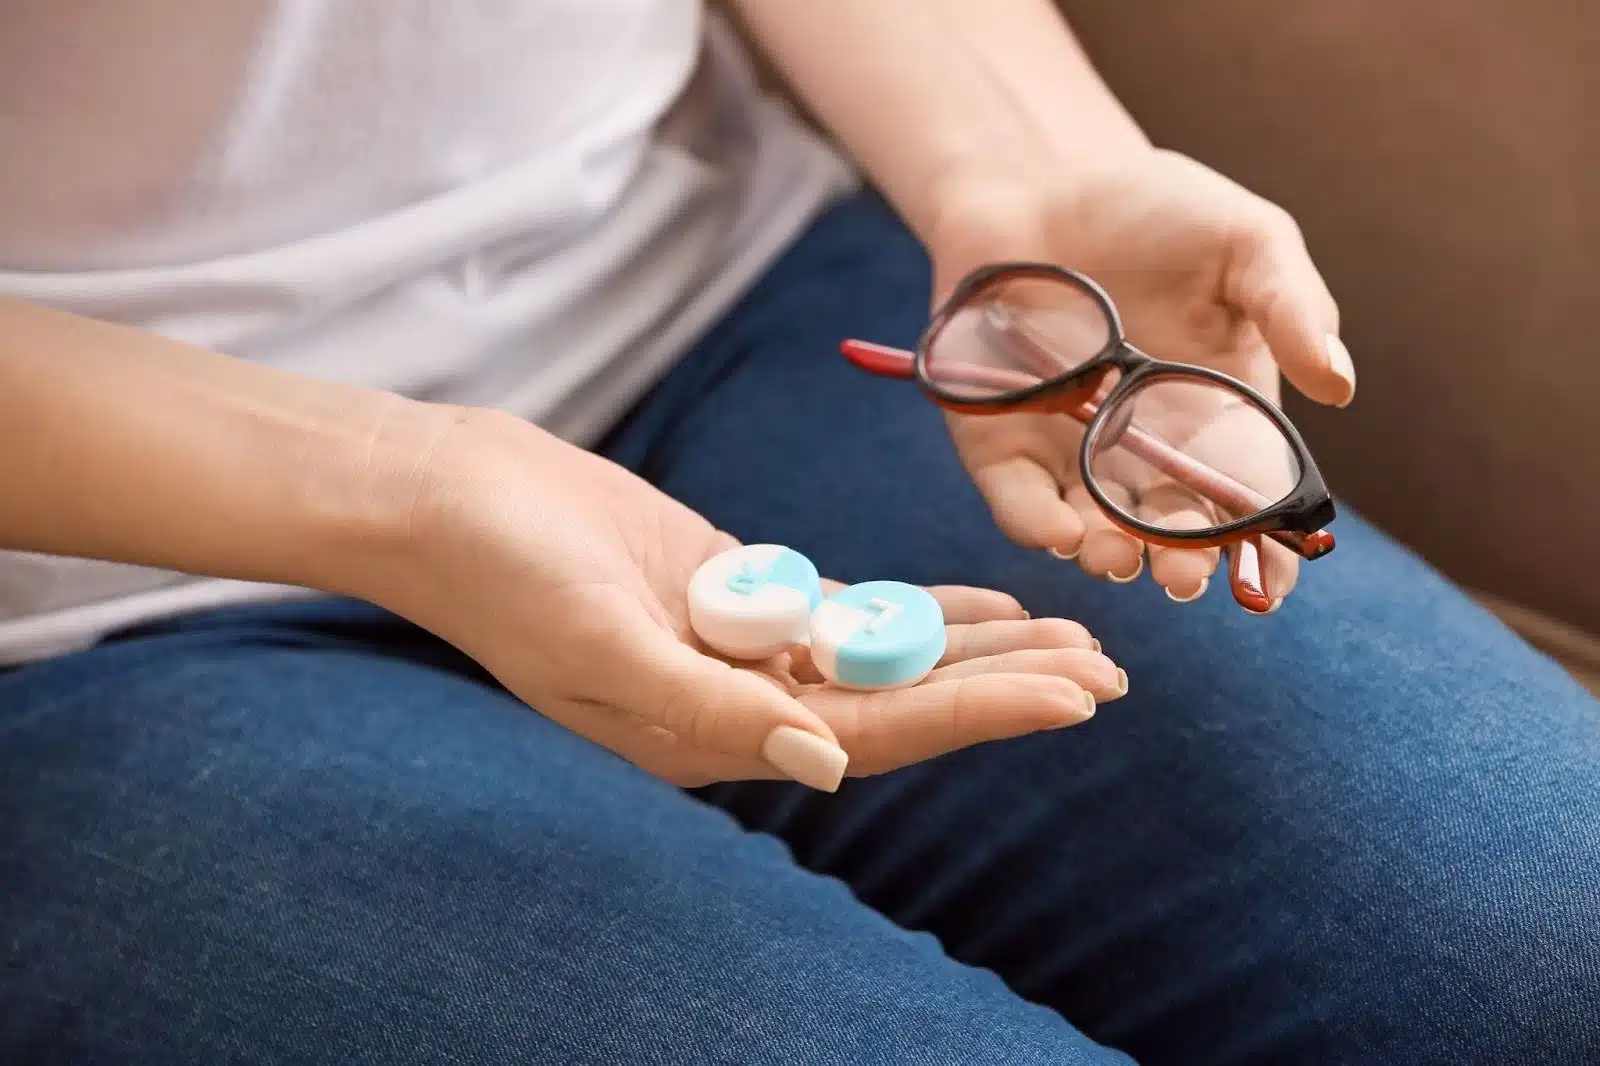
{"x":1365,"y":829}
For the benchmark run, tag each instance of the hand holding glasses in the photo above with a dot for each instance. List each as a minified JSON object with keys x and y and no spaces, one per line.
{"x":1035,"y":337}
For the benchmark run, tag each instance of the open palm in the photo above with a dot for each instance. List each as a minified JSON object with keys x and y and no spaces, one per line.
{"x":566,"y":576}
{"x":1203,"y":272}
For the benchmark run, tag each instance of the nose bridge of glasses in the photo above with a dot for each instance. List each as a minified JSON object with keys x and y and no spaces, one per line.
{"x":1131,"y":359}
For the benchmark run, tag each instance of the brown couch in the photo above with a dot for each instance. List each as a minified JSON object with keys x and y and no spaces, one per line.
{"x":1443,"y":158}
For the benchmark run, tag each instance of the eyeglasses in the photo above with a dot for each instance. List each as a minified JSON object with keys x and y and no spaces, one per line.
{"x":1179,"y":456}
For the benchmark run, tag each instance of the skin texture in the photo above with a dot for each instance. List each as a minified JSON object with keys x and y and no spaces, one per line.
{"x":1203,"y":272}
{"x":993,"y":137}
{"x":563,"y":574}
{"x":597,"y":633}
{"x":560,"y":572}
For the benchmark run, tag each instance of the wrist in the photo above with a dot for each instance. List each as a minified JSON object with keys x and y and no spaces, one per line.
{"x":367,"y":474}
{"x":438,"y":501}
{"x":1018,"y":206}
{"x":978,"y":213}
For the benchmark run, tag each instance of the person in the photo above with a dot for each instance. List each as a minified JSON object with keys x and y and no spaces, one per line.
{"x":350,"y":713}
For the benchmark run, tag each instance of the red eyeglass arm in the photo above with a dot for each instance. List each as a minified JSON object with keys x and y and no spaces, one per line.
{"x":1209,"y":482}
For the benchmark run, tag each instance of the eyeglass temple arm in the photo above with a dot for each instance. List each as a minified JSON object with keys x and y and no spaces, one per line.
{"x":1209,"y":482}
{"x":893,"y":362}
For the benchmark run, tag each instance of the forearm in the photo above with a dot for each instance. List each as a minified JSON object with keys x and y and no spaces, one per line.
{"x":125,"y":446}
{"x":920,"y":91}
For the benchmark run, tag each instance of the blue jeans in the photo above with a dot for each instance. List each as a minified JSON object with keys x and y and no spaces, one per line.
{"x":1363,"y":830}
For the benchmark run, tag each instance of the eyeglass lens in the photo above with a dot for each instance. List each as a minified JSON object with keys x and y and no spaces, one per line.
{"x":1185,"y":454}
{"x":1015,"y":332}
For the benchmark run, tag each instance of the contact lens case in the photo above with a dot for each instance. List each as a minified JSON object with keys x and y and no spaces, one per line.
{"x":877,"y":635}
{"x":755,"y":601}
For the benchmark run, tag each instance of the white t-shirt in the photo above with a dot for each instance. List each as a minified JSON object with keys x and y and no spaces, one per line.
{"x":537,"y":205}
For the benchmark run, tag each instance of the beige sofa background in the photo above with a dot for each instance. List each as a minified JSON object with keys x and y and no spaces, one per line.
{"x":1443,"y":158}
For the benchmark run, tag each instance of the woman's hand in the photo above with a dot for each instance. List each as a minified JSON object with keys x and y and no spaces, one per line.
{"x":561,"y":573}
{"x":566,"y":577}
{"x":1203,"y":272}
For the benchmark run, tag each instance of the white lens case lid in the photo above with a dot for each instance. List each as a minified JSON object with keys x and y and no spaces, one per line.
{"x":755,"y":601}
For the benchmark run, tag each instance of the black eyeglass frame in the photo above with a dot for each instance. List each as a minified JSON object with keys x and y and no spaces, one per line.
{"x":1296,"y":520}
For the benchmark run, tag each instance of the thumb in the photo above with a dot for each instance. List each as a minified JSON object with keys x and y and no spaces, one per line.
{"x":1277,"y":286}
{"x":707,"y":704}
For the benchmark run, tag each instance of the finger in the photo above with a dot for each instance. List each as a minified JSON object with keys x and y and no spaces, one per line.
{"x":996,"y":638}
{"x":663,"y":683}
{"x":1238,"y":440}
{"x":802,"y":667}
{"x":1090,"y":670}
{"x":1247,"y":575}
{"x":1278,"y":287}
{"x":1025,"y":499}
{"x":1281,"y":569}
{"x":666,"y":756}
{"x":963,"y":605}
{"x":887,"y":730}
{"x":1184,"y":573}
{"x":1107,"y":551}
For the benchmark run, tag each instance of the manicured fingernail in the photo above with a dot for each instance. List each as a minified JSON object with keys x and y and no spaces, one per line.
{"x":805,"y":757}
{"x":1122,"y":681}
{"x":1340,"y":363}
{"x":1088,"y":701}
{"x":1131,"y":577}
{"x":1063,"y":556}
{"x":1205,"y":583}
{"x":1272,"y":607}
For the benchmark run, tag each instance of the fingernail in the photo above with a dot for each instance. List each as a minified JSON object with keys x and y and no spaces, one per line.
{"x":1122,"y":681}
{"x":1096,"y":644}
{"x":1131,"y":577}
{"x":1272,"y":607}
{"x":805,"y":757}
{"x":1063,"y":556}
{"x":1026,"y":615}
{"x":1340,"y":363}
{"x":1205,"y":583}
{"x":1078,"y":719}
